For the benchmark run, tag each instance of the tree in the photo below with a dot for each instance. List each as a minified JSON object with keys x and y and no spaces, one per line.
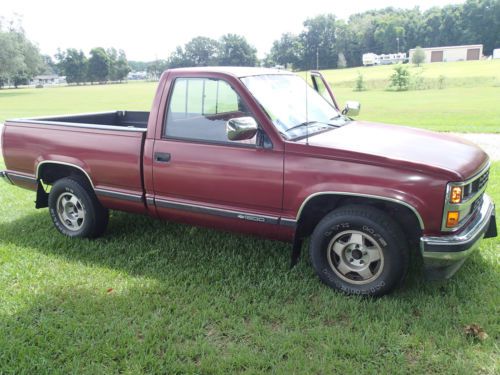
{"x":73,"y":64}
{"x":10,"y":58}
{"x":341,"y":61}
{"x":99,"y":65}
{"x":49,"y":66}
{"x":20,"y":59}
{"x":201,"y":51}
{"x":319,"y":42}
{"x":481,"y":23}
{"x":389,"y":30}
{"x":155,"y":68}
{"x":418,"y":56}
{"x":234,"y":50}
{"x":122,"y":68}
{"x":112,"y":56}
{"x":138,"y":66}
{"x":177,"y":59}
{"x":118,"y":64}
{"x":286,"y":51}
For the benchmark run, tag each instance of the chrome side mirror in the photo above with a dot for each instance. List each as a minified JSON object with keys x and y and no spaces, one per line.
{"x":241,"y":128}
{"x":351,"y":108}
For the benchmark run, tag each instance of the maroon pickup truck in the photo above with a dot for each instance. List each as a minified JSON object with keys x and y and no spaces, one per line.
{"x":264,"y":152}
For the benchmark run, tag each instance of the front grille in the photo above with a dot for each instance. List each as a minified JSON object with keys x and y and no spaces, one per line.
{"x":476,"y":205}
{"x":481,"y":181}
{"x":476,"y":185}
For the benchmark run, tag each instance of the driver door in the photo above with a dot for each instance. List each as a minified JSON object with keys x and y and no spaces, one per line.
{"x":199,"y":174}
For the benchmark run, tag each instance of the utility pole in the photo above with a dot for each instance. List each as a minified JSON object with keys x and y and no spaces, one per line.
{"x":317,"y":58}
{"x":397,"y":39}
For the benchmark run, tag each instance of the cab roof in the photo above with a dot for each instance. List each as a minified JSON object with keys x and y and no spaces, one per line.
{"x":236,"y":71}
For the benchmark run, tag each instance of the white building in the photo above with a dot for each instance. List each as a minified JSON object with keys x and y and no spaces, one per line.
{"x":452,"y":53}
{"x":137,"y":76}
{"x":384,"y":59}
{"x":496,"y":53}
{"x":48,"y":79}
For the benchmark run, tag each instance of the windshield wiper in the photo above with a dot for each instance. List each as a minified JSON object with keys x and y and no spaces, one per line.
{"x":336,"y":117}
{"x":307,"y":123}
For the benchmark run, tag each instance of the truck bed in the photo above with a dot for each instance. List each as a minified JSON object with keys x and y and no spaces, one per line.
{"x":105,"y":146}
{"x":109,"y":120}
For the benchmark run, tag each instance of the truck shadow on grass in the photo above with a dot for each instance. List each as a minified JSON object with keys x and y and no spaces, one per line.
{"x":142,"y":246}
{"x":153,"y":296}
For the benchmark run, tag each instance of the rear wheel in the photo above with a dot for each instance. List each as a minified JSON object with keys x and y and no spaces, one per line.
{"x":75,"y":210}
{"x":359,"y":250}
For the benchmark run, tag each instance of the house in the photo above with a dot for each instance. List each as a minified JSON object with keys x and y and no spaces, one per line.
{"x":48,"y":79}
{"x":452,"y":53}
{"x":137,"y":76}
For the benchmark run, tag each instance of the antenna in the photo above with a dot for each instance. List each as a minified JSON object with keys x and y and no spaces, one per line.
{"x":307,"y":111}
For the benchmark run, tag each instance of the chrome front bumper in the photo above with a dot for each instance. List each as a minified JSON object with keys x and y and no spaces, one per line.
{"x":444,"y":255}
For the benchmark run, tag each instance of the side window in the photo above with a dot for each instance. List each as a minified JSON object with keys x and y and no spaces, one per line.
{"x":199,"y":109}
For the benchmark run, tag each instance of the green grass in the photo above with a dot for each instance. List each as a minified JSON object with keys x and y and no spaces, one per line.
{"x":469,"y":103}
{"x":15,"y":103}
{"x":460,"y":73}
{"x":152,"y":296}
{"x":468,"y":110}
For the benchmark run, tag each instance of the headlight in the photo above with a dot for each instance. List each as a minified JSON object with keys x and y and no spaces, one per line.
{"x":456,"y":194}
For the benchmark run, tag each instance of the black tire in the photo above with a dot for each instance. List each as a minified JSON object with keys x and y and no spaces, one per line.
{"x":75,"y":210}
{"x":345,"y":246}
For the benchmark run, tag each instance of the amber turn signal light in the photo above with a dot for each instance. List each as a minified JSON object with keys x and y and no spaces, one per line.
{"x":452,"y":219}
{"x":456,"y":194}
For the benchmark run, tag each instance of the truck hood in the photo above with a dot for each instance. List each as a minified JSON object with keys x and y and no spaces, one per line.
{"x":405,"y":147}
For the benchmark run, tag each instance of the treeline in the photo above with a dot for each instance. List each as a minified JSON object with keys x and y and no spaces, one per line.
{"x":327,"y":42}
{"x":101,"y":66}
{"x":229,"y":50}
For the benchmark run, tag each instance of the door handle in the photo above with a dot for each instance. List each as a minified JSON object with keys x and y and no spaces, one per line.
{"x":162,"y":157}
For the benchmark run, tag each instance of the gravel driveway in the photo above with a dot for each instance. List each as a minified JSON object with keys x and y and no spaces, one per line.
{"x":487,"y":141}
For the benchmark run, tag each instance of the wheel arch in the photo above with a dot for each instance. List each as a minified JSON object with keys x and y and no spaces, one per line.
{"x":50,"y":171}
{"x":317,"y":205}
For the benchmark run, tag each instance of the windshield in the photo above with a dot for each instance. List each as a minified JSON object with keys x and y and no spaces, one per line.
{"x":284,"y":99}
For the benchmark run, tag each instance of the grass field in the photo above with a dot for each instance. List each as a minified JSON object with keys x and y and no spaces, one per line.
{"x":160,"y":297}
{"x":469,"y":103}
{"x":461,"y":73}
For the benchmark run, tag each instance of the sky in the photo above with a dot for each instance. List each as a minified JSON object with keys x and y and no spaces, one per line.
{"x":149,"y":29}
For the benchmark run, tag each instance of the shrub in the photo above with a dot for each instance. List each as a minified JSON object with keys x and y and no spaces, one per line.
{"x":417,"y":81}
{"x":360,"y":83}
{"x":400,"y":78}
{"x":441,"y":82}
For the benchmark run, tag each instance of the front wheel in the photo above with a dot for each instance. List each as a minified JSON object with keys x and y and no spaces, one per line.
{"x":359,"y":250}
{"x":75,"y":210}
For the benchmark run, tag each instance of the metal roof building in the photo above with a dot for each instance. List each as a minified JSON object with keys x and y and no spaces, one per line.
{"x":451,"y":53}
